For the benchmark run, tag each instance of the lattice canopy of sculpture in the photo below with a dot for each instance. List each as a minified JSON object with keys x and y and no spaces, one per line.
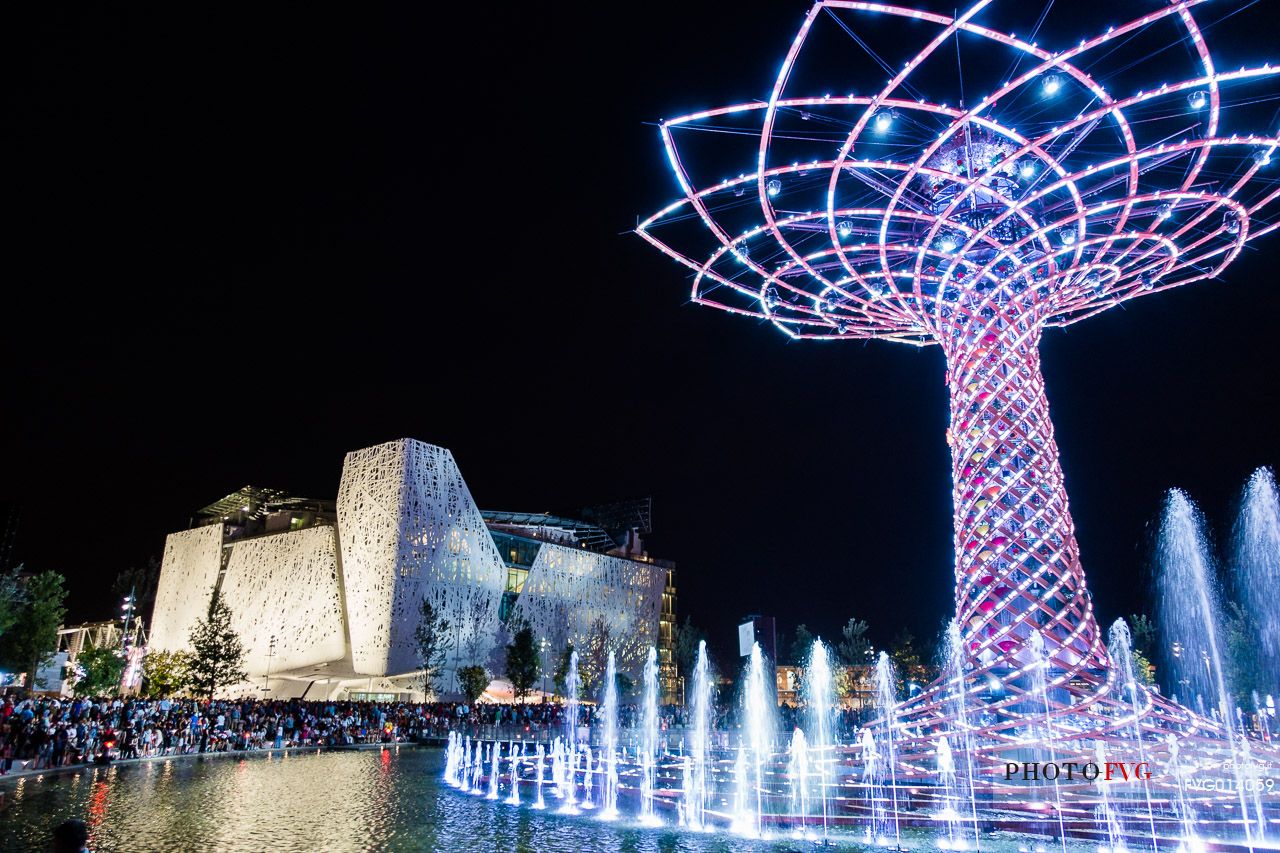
{"x":968,"y":187}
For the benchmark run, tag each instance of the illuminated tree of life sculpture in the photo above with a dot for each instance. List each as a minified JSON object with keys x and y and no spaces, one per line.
{"x":1046,"y":200}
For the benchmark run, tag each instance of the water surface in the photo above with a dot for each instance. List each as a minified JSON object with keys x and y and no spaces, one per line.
{"x":330,"y":801}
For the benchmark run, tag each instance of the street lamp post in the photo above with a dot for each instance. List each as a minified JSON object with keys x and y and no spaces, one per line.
{"x":271,"y":653}
{"x":129,"y":605}
{"x":127,"y":608}
{"x":542,"y":659}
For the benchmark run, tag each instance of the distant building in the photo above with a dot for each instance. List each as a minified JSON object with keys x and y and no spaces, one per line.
{"x":326,"y":594}
{"x":855,"y":686}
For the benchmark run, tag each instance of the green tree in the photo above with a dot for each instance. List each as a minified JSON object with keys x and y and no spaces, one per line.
{"x":686,"y":648}
{"x":624,"y":686}
{"x":473,"y":680}
{"x":1142,"y":669}
{"x":562,"y":669}
{"x":801,"y":645}
{"x":217,"y":657}
{"x":11,"y":598}
{"x":1142,"y":631}
{"x":32,"y":638}
{"x":522,"y":660}
{"x":433,"y":642}
{"x":98,"y":672}
{"x":1142,"y":636}
{"x":907,"y":662}
{"x":165,"y":673}
{"x":1245,"y":676}
{"x":855,"y":649}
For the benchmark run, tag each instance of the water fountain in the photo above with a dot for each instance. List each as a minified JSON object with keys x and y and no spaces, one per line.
{"x":697,"y":792}
{"x":451,"y":760}
{"x":557,"y":768}
{"x":468,"y":763}
{"x":588,"y":779}
{"x":477,"y":768}
{"x":798,"y":779}
{"x":1183,"y":810}
{"x":743,"y":817}
{"x":1108,"y":822}
{"x":1039,"y":672}
{"x":819,"y":699}
{"x":494,"y":752}
{"x":572,"y":687}
{"x":873,"y":786}
{"x":539,"y":802}
{"x":887,"y":702}
{"x":569,"y":785}
{"x":1187,"y":602}
{"x":1256,"y":564}
{"x":1190,"y":619}
{"x":515,"y":753}
{"x":1121,"y":648}
{"x":649,"y":739}
{"x":949,"y":796}
{"x":917,"y":772}
{"x":758,"y":708}
{"x":610,"y":745}
{"x":609,"y":772}
{"x":954,"y":674}
{"x":686,"y":785}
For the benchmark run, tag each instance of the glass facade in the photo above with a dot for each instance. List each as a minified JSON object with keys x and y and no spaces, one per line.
{"x":519,"y":553}
{"x":668,"y":671}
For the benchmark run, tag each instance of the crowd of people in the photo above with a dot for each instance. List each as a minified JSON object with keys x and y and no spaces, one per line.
{"x":49,"y":732}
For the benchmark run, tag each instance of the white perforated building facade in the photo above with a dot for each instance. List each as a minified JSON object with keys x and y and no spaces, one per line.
{"x":333,"y":607}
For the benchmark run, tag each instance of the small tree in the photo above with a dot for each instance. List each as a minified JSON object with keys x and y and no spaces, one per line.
{"x":473,"y":680}
{"x":624,"y":686}
{"x":522,"y":660}
{"x":165,"y":673}
{"x":855,"y":649}
{"x":1142,"y":669}
{"x":594,"y":659}
{"x":98,"y":672}
{"x":217,"y":657}
{"x":433,"y":642}
{"x":907,"y":662}
{"x":1142,"y":633}
{"x":32,"y":638}
{"x":687,"y":638}
{"x":801,"y":645}
{"x":1241,"y":662}
{"x":562,"y":670}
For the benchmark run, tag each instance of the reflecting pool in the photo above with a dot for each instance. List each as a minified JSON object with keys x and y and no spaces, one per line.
{"x":332,"y":801}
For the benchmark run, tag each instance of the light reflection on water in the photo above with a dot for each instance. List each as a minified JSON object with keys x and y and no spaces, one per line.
{"x":331,"y":801}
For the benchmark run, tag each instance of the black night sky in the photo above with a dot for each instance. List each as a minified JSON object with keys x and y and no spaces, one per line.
{"x":242,"y":243}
